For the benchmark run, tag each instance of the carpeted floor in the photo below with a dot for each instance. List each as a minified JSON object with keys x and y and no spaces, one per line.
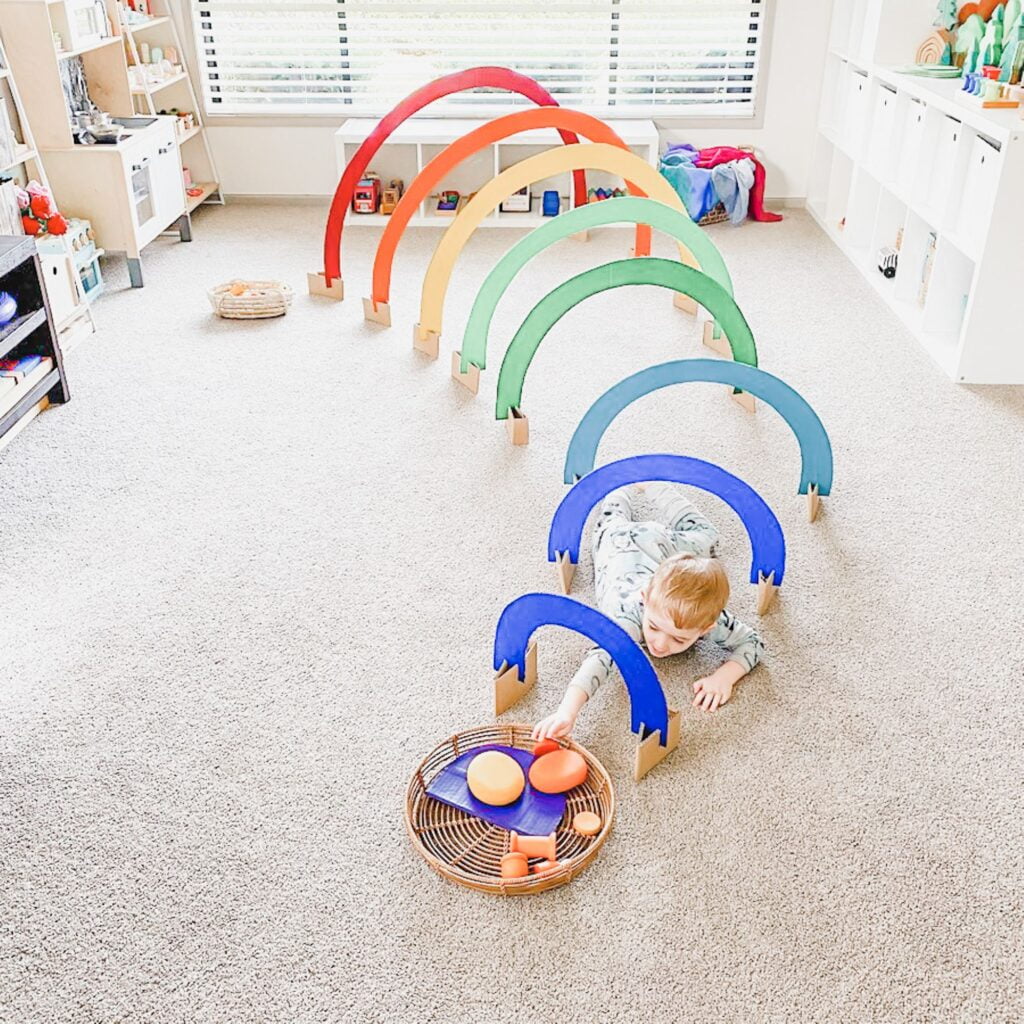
{"x":250,"y":578}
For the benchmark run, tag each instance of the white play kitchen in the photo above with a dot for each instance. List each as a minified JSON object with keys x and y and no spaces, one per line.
{"x":118,"y":168}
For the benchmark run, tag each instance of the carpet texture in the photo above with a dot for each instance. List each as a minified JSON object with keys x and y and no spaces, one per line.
{"x":251,"y":575}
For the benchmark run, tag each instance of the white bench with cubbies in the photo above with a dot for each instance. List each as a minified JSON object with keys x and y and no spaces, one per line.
{"x":913,"y":164}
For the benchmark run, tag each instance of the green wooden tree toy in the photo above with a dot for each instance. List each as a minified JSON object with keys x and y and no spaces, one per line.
{"x":992,"y":41}
{"x":946,"y":14}
{"x":967,"y":47}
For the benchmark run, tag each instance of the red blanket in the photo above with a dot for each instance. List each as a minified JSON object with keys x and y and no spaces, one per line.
{"x":722,"y":155}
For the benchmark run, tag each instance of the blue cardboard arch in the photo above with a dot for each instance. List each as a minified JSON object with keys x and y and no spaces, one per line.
{"x":648,"y":709}
{"x":766,"y":538}
{"x":815,"y":449}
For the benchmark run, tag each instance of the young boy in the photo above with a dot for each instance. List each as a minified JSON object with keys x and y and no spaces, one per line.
{"x":661,"y":582}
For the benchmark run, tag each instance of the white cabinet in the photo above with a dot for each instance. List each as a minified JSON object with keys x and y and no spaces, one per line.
{"x":130,"y":192}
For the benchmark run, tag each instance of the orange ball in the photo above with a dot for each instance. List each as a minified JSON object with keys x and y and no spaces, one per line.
{"x":558,"y":771}
{"x":514,"y":865}
{"x":546,"y":747}
{"x":495,"y":778}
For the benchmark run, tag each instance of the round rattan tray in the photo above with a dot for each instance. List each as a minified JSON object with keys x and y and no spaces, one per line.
{"x":260,"y":300}
{"x":468,"y":850}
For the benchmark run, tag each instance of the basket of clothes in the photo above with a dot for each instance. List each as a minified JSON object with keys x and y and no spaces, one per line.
{"x":718,"y":183}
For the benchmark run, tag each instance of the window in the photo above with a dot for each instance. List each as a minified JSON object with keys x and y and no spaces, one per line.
{"x":360,"y":57}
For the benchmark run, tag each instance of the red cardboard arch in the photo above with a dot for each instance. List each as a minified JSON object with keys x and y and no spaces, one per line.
{"x":569,"y":123}
{"x":460,"y":81}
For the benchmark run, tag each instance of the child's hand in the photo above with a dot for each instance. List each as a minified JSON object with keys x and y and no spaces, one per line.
{"x":712,"y":692}
{"x":558,"y":724}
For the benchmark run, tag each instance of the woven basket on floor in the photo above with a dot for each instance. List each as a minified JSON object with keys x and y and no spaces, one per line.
{"x":716,"y":215}
{"x":261,"y":299}
{"x":467,"y":850}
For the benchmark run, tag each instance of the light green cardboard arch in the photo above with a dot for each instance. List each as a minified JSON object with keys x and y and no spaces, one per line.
{"x":625,"y":209}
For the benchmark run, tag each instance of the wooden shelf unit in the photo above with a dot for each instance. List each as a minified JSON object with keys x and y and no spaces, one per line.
{"x":161,"y":30}
{"x":913,"y":163}
{"x":417,"y":141}
{"x":32,"y":332}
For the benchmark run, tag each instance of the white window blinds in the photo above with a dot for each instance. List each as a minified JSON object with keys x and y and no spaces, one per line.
{"x":609,"y":57}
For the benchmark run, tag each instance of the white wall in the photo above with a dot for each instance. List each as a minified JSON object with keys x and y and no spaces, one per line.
{"x":295,"y":156}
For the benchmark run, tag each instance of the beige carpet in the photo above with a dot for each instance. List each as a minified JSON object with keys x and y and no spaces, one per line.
{"x":251,"y":575}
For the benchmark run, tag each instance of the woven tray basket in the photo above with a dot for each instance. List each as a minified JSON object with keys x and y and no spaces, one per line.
{"x":467,"y":850}
{"x":262,"y":299}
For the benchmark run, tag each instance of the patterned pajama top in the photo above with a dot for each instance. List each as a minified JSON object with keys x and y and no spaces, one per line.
{"x":626,"y":555}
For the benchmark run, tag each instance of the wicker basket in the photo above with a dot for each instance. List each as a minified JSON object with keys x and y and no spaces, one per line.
{"x":261,"y":299}
{"x":716,"y":215}
{"x":467,"y":850}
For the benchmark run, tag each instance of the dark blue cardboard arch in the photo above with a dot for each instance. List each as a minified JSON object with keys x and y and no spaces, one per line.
{"x":762,"y":526}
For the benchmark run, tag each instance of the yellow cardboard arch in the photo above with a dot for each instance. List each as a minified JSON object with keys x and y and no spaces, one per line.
{"x":597,"y":156}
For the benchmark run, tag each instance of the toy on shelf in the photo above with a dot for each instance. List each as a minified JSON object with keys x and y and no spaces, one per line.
{"x":552,"y":203}
{"x":447,"y":203}
{"x":768,"y":564}
{"x":478,"y":853}
{"x":642,"y":270}
{"x":8,"y":308}
{"x":987,"y":88}
{"x":936,"y":48}
{"x":39,"y":214}
{"x":597,"y":195}
{"x":887,"y":258}
{"x":515,"y":662}
{"x":377,"y":308}
{"x":328,"y":282}
{"x":366,"y":196}
{"x":391,"y":196}
{"x":543,"y":165}
{"x":815,"y":448}
{"x":472,"y":359}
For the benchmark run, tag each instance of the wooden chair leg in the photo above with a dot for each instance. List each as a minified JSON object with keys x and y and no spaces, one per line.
{"x":509,"y":688}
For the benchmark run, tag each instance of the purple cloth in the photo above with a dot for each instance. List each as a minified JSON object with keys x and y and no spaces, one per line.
{"x":533,"y":814}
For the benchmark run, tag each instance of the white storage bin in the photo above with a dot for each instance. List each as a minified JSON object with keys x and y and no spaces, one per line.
{"x":978,"y":195}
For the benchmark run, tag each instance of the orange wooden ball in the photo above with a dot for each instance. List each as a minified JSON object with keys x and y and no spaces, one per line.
{"x":514,"y":865}
{"x":587,"y":823}
{"x":546,"y":747}
{"x":558,"y":771}
{"x":495,"y":778}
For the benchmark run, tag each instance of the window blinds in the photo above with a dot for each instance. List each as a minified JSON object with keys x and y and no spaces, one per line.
{"x":609,"y":57}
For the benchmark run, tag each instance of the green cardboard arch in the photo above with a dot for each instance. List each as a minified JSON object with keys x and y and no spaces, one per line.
{"x":617,"y":274}
{"x":628,"y":209}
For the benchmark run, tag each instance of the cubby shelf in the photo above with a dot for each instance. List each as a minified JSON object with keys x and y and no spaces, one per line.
{"x":914,"y":165}
{"x":416,"y":142}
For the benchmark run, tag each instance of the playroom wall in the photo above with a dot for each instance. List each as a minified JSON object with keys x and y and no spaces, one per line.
{"x":294,"y":156}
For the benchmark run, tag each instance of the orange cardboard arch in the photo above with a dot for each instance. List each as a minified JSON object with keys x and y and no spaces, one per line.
{"x":584,"y":125}
{"x":460,"y":81}
{"x":597,"y":155}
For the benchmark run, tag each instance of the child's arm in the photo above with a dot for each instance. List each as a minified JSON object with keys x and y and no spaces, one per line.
{"x":594,"y":670}
{"x":693,"y":531}
{"x":746,"y":649}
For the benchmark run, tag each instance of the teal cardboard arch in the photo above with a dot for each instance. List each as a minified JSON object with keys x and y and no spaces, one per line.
{"x":624,"y":209}
{"x":815,"y":449}
{"x":648,"y":709}
{"x":640,"y":270}
{"x":766,"y":538}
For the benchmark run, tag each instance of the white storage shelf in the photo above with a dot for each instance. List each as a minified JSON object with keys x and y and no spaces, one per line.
{"x":911,"y":164}
{"x":416,"y":142}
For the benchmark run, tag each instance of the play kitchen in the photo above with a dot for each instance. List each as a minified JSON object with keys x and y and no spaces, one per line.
{"x":121,"y":172}
{"x":132,"y":188}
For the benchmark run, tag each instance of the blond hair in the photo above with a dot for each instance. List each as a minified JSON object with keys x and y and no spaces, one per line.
{"x":692,"y":591}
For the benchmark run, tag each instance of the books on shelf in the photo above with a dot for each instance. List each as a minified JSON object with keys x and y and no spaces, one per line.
{"x":18,"y":369}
